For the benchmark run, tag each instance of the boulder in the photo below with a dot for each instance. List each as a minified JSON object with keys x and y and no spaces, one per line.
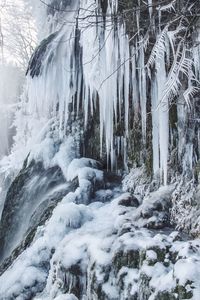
{"x":129,"y":201}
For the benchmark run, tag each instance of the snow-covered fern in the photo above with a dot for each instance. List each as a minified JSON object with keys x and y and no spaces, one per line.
{"x":171,"y":35}
{"x":167,"y":7}
{"x":189,"y":93}
{"x":158,"y":48}
{"x":182,"y":65}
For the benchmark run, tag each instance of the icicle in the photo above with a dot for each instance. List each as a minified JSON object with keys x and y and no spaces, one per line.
{"x":125,"y":153}
{"x":142,"y":92}
{"x":108,"y":74}
{"x":155,"y":126}
{"x":159,"y":19}
{"x":138,"y":20}
{"x":86,"y":105}
{"x":150,"y":8}
{"x":135,"y":97}
{"x":126,"y":85}
{"x":163,"y":111}
{"x":101,"y":71}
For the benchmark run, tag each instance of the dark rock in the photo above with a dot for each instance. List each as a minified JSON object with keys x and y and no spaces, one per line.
{"x":95,"y":287}
{"x":159,"y":220}
{"x":75,"y":270}
{"x":183,"y":292}
{"x":165,"y":295}
{"x":129,"y":201}
{"x":125,"y":229}
{"x":72,"y":280}
{"x":112,"y":178}
{"x":147,"y":212}
{"x":128,"y":258}
{"x":130,"y":295}
{"x":144,"y":290}
{"x":35,"y":64}
{"x":173,"y":256}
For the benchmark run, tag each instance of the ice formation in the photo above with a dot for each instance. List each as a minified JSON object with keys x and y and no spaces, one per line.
{"x":87,"y":64}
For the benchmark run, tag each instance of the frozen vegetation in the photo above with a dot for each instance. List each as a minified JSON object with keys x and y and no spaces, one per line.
{"x":99,"y":170}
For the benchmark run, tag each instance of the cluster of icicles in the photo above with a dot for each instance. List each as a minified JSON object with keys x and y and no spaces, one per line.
{"x":106,"y":70}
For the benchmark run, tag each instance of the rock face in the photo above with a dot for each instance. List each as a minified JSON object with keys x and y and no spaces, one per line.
{"x":35,"y":63}
{"x":129,"y":200}
{"x":30,"y":200}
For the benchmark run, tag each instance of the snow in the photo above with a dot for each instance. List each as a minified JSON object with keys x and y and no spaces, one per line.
{"x":66,"y":297}
{"x":136,"y":181}
{"x":82,"y":168}
{"x":187,"y":270}
{"x":63,"y":297}
{"x":151,"y":255}
{"x":83,"y":235}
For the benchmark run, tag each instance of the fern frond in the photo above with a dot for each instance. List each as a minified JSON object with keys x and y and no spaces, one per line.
{"x":167,"y":7}
{"x":182,"y":64}
{"x":189,"y":93}
{"x":158,"y":48}
{"x":171,"y":35}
